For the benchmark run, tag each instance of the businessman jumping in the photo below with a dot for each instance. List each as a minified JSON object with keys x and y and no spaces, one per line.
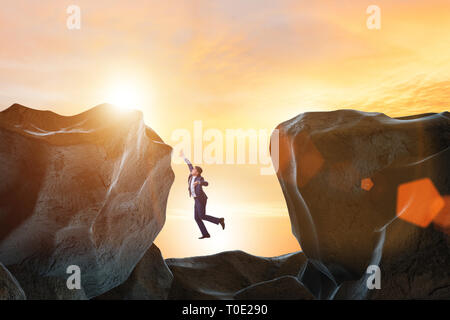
{"x":196,"y":183}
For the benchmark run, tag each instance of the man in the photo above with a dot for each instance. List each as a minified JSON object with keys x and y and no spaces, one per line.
{"x":196,"y":184}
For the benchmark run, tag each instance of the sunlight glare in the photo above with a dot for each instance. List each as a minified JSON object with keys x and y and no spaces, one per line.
{"x":124,"y":96}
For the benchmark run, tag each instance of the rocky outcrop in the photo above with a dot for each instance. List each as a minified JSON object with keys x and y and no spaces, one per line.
{"x":88,"y":190}
{"x":364,"y":189}
{"x":150,"y":280}
{"x":224,"y":275}
{"x":282,"y":288}
{"x":9,"y":287}
{"x":421,"y":272}
{"x":50,"y":288}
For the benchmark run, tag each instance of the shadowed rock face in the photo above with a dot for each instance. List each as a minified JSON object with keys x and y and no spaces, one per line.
{"x":150,"y":280}
{"x":282,"y":288}
{"x":341,"y":173}
{"x":9,"y":287}
{"x":421,"y":271}
{"x":222,"y":275}
{"x":88,"y":190}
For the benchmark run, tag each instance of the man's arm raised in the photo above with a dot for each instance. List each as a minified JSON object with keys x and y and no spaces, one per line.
{"x":191,"y":167}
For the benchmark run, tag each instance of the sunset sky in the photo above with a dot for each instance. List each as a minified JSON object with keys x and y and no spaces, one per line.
{"x":247,"y":64}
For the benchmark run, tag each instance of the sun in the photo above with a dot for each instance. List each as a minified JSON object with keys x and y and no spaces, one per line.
{"x":125,"y":96}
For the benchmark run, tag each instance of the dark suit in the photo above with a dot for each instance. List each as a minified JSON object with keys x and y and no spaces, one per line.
{"x":200,"y":201}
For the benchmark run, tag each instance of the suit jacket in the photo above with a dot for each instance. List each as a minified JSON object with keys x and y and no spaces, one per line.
{"x":199,"y":193}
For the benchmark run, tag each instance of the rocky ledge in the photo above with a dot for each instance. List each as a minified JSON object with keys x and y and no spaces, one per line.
{"x":366,"y":191}
{"x":88,"y":190}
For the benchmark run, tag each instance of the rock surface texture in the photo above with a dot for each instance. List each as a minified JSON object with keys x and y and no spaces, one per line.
{"x":150,"y":280}
{"x":88,"y":190}
{"x":10,"y":289}
{"x":224,"y":275}
{"x":364,"y":189}
{"x":282,"y":288}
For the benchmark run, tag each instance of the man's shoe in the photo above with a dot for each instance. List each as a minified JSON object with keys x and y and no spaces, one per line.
{"x":222,"y":223}
{"x":203,"y":237}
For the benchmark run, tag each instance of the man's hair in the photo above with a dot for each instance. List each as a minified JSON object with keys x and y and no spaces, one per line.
{"x":199,"y":170}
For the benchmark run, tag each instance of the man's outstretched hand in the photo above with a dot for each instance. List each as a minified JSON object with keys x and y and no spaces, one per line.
{"x":181,"y":154}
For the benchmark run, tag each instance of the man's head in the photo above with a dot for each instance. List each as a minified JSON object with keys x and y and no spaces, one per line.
{"x":197,"y":171}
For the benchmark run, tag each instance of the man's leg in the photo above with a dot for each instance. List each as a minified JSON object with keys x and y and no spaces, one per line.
{"x":199,"y":209}
{"x":206,"y":217}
